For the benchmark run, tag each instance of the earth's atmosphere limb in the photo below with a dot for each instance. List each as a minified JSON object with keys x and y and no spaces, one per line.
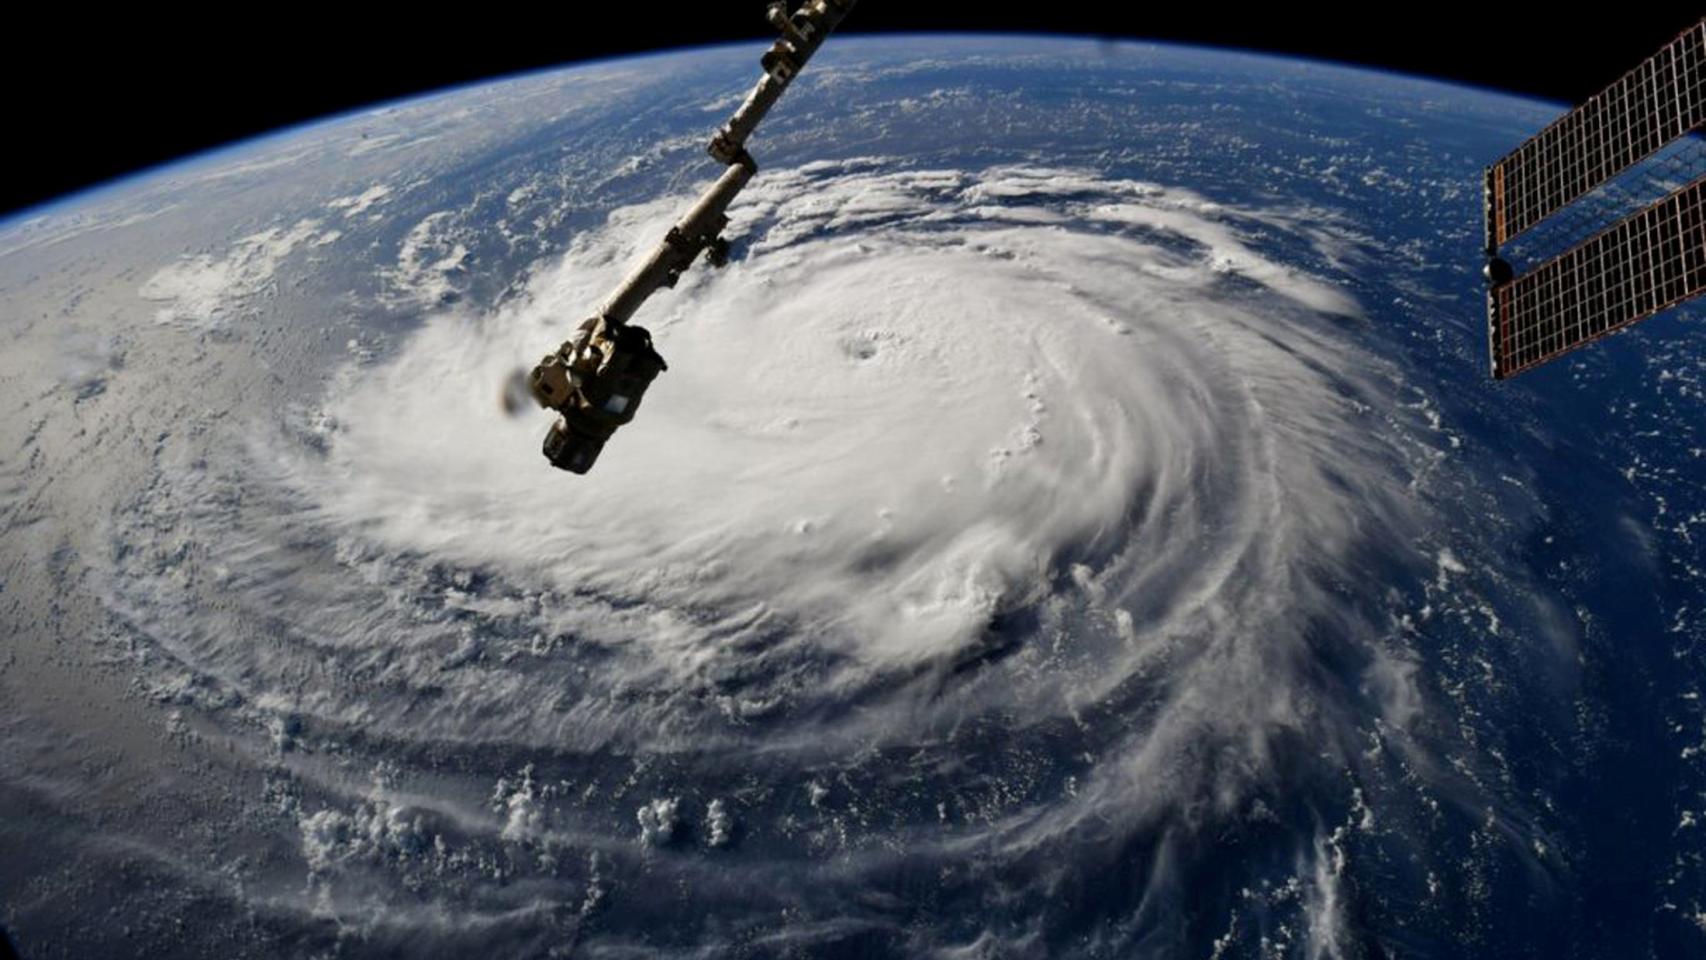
{"x":1077,"y":523}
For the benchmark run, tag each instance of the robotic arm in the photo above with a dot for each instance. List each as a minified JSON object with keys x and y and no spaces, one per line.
{"x":595,"y":380}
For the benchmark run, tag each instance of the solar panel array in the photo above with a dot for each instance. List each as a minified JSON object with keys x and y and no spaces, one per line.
{"x":1682,"y":161}
{"x":1654,"y":104}
{"x":1648,"y":262}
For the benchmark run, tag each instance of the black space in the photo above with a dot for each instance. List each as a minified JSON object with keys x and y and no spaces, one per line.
{"x":96,"y":95}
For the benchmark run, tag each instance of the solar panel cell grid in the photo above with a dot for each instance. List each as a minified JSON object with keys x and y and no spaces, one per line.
{"x":1650,"y":261}
{"x":1659,"y":101}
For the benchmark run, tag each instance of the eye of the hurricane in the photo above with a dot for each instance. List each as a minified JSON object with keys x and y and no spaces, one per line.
{"x":928,"y":417}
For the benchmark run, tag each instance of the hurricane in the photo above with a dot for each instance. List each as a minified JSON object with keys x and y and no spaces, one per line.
{"x":1077,"y":521}
{"x":990,"y":529}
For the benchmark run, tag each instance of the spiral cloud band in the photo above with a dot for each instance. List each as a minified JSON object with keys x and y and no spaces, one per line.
{"x":1037,"y":487}
{"x":916,"y":398}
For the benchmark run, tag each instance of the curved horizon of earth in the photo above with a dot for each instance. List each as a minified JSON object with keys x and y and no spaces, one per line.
{"x":1077,"y":522}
